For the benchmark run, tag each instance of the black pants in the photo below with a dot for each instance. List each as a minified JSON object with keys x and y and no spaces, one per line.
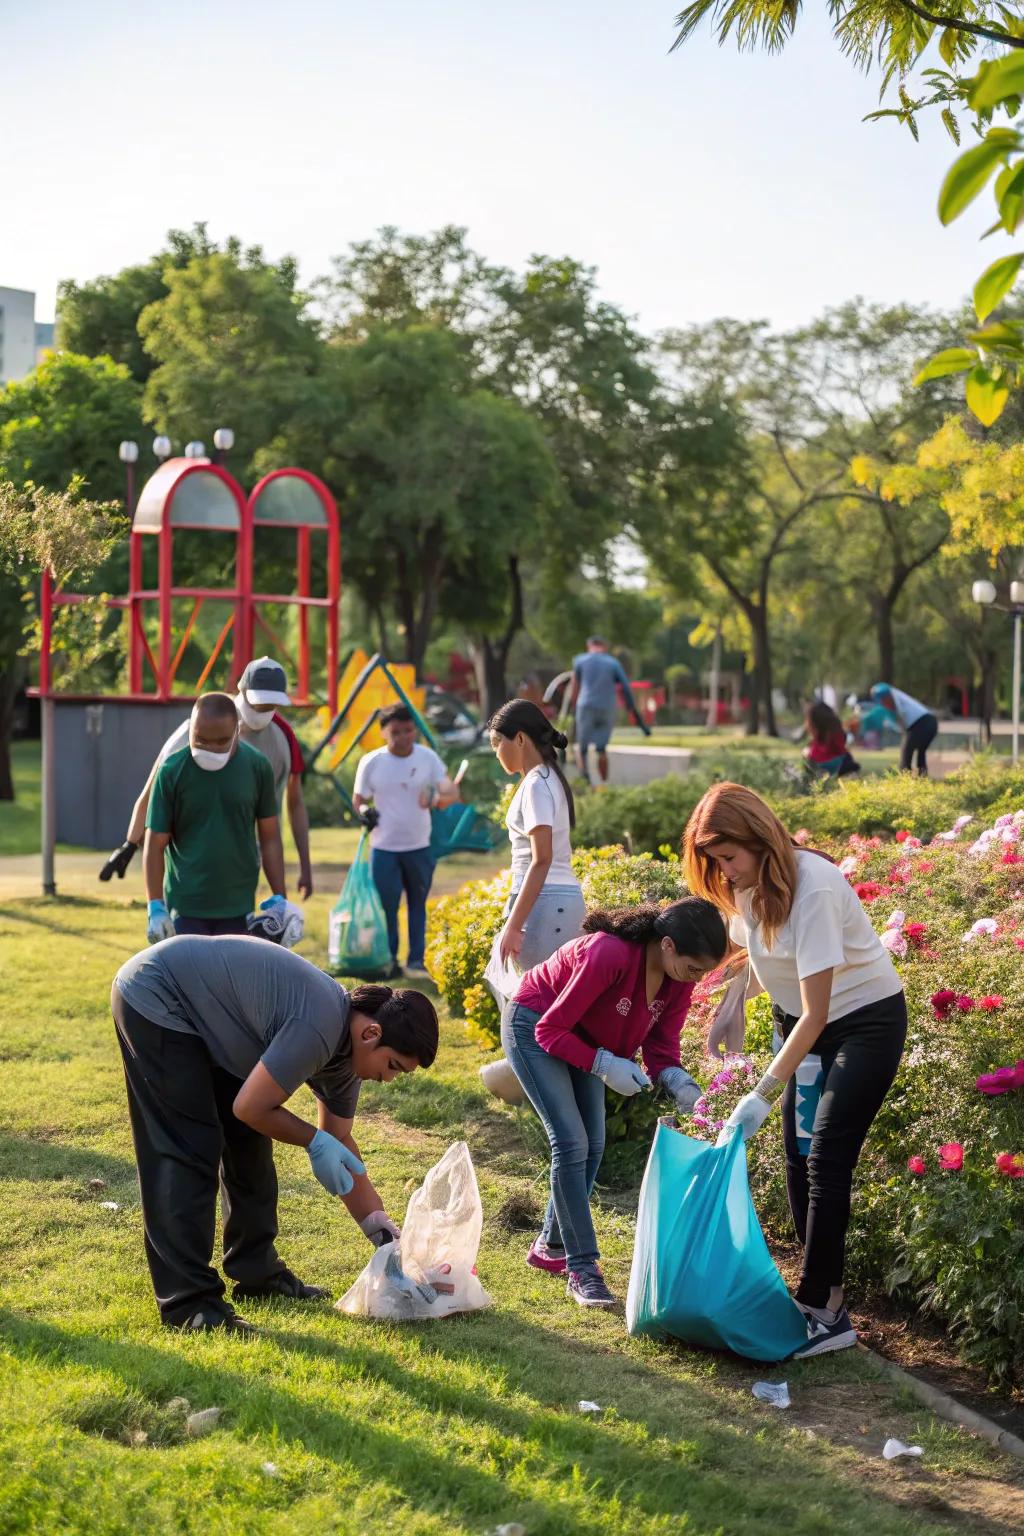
{"x":210,"y":926}
{"x":860,"y":1054}
{"x":186,"y":1139}
{"x":918,"y":738}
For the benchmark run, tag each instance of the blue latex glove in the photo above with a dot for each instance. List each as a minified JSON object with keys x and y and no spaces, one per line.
{"x":684,"y":1089}
{"x":159,"y":925}
{"x":333,"y":1164}
{"x":273,"y":901}
{"x":620,"y":1075}
{"x":749,"y":1115}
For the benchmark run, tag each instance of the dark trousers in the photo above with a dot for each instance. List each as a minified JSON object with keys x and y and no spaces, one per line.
{"x":210,"y":926}
{"x":917,"y":739}
{"x":860,"y":1054}
{"x":187,"y":1139}
{"x":411,"y":872}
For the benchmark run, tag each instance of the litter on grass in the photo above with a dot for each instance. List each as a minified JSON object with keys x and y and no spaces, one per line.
{"x":774,"y":1392}
{"x":109,"y":1205}
{"x":431,"y":1270}
{"x":269,"y":1468}
{"x":586,"y":1406}
{"x":203,"y":1422}
{"x":893,"y":1448}
{"x":514,"y":1529}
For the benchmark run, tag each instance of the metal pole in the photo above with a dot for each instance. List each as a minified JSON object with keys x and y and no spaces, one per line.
{"x":1016,"y":684}
{"x":49,"y":796}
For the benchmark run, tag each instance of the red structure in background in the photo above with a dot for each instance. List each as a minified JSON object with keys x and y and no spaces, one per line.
{"x":199,"y":495}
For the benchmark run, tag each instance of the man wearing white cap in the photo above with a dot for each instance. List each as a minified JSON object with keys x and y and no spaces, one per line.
{"x":262,"y":690}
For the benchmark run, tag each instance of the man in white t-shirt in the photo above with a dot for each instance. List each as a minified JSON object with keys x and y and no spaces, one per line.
{"x":405,"y":781}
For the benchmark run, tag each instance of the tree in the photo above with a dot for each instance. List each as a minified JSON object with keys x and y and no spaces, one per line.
{"x":101,"y":318}
{"x":233,"y":344}
{"x":58,"y":531}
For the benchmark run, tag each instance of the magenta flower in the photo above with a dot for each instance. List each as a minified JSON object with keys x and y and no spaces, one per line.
{"x":951,"y":1157}
{"x":916,"y":1166}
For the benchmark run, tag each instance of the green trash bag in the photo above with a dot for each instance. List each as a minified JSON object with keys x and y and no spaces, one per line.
{"x":701,"y":1268}
{"x":357,"y":943}
{"x":461,"y":829}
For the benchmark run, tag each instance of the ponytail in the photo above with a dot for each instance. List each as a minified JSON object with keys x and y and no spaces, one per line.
{"x":694,"y":925}
{"x":523,"y":716}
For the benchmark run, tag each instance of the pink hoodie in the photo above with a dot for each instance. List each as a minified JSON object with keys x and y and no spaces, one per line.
{"x":592,"y":994}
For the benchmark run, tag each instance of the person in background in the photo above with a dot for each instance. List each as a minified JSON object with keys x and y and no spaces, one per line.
{"x":573,"y":1029}
{"x":216,"y":1034}
{"x":827,"y":750}
{"x":546,"y":907}
{"x":396,"y":788}
{"x":262,"y":690}
{"x":596,"y":677}
{"x":834,"y":992}
{"x":212,"y":820}
{"x":920,"y":726}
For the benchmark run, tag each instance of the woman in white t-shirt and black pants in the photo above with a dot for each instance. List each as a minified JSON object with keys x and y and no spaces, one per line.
{"x":835,"y":992}
{"x":546,"y":908}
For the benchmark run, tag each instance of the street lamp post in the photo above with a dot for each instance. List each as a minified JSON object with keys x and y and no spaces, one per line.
{"x":223,"y":442}
{"x":984,"y":592}
{"x":128,"y":453}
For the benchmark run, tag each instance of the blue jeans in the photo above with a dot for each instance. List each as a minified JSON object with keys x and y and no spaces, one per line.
{"x":412,"y":872}
{"x":570,"y":1104}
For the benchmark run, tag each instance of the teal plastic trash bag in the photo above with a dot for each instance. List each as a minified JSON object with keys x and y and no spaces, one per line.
{"x":701,"y":1268}
{"x":357,"y":943}
{"x":460,"y":829}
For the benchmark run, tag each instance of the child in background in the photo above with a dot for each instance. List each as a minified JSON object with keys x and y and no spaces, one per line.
{"x":827,"y":751}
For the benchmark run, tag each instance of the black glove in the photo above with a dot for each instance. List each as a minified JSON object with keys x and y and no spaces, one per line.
{"x":119,"y":861}
{"x":370,"y":817}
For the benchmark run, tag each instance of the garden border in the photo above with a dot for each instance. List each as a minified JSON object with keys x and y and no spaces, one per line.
{"x":947,"y":1407}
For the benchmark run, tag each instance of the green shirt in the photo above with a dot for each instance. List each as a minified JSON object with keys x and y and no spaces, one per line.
{"x":212,"y":863}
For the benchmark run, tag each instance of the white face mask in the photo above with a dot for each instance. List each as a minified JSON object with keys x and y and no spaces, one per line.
{"x":211,"y":761}
{"x":255,"y":719}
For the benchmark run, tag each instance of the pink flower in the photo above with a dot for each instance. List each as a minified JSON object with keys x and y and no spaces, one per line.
{"x":991,"y":1002}
{"x":916,"y":1166}
{"x":915,"y":932}
{"x":867,"y":890}
{"x":1002,"y":1080}
{"x":896,"y":919}
{"x":942,"y":1002}
{"x":801,"y":836}
{"x":1011,"y":1164}
{"x":951,"y":1157}
{"x":964,"y":1003}
{"x":1009,"y":857}
{"x":894,"y":942}
{"x":902,"y":835}
{"x":926,"y":866}
{"x":984,"y":928}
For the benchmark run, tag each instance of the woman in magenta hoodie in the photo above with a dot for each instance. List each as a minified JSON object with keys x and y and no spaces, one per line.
{"x":574,"y":1027}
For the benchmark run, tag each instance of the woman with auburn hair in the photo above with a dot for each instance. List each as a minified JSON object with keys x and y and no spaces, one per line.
{"x":834,"y":991}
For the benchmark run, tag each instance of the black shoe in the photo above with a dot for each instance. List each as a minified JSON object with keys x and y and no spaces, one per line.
{"x":284,"y":1284}
{"x":393,"y":972}
{"x":822,"y":1338}
{"x":211,"y":1320}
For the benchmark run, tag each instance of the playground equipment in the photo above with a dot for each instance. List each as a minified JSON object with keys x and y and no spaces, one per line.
{"x":98,"y":747}
{"x":372,"y":684}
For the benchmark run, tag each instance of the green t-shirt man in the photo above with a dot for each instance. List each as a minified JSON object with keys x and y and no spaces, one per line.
{"x":212,"y":862}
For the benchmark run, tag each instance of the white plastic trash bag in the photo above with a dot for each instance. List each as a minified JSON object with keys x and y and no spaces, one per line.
{"x":502,"y":977}
{"x":431,"y":1271}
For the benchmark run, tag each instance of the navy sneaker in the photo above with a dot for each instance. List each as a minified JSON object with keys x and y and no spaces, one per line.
{"x":282,"y":1283}
{"x":824,"y":1337}
{"x":587,"y":1288}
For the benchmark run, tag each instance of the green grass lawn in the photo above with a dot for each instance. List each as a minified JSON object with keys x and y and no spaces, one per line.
{"x":455,"y":1427}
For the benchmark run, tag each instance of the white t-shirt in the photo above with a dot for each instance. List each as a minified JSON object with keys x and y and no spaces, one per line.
{"x":395,"y":784}
{"x":908,"y":710}
{"x":827,"y":926}
{"x":540,"y":802}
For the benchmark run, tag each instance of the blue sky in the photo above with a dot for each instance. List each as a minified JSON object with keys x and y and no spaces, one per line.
{"x":700,"y":183}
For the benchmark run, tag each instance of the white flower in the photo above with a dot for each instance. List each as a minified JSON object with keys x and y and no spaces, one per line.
{"x":961,"y":822}
{"x":848,"y":866}
{"x":897,"y":919}
{"x":984,"y":928}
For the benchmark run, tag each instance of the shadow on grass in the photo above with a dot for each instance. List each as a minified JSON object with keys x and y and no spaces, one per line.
{"x":40,"y":1157}
{"x":726,"y":1471}
{"x":65,"y":930}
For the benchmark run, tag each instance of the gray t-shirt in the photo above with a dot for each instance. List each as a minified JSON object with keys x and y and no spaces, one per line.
{"x":598,"y":675}
{"x":250,"y":1001}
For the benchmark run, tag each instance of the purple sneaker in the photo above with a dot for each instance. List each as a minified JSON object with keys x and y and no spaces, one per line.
{"x":587,"y":1288}
{"x":541,"y":1256}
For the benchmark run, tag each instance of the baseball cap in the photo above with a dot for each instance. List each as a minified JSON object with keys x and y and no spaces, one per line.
{"x":264,"y":682}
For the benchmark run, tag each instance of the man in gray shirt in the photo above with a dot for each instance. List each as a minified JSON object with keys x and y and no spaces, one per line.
{"x":216,"y":1033}
{"x":596,"y":677}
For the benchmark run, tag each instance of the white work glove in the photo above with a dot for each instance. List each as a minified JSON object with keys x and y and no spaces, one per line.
{"x":380,"y":1229}
{"x":620,"y":1075}
{"x":293,"y":917}
{"x":159,"y":925}
{"x":685,"y":1090}
{"x":333,"y":1164}
{"x":748,"y":1117}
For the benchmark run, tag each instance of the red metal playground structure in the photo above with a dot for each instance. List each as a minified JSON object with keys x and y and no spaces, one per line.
{"x":98,"y":747}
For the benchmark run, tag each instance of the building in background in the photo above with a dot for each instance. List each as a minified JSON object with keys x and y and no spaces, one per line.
{"x":17,"y":334}
{"x":44,"y":338}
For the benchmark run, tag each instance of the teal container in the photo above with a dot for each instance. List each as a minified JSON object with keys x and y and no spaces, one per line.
{"x":701,"y":1268}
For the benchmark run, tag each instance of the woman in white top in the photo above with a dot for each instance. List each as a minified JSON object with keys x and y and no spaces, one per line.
{"x":546,"y":908}
{"x":834,"y":991}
